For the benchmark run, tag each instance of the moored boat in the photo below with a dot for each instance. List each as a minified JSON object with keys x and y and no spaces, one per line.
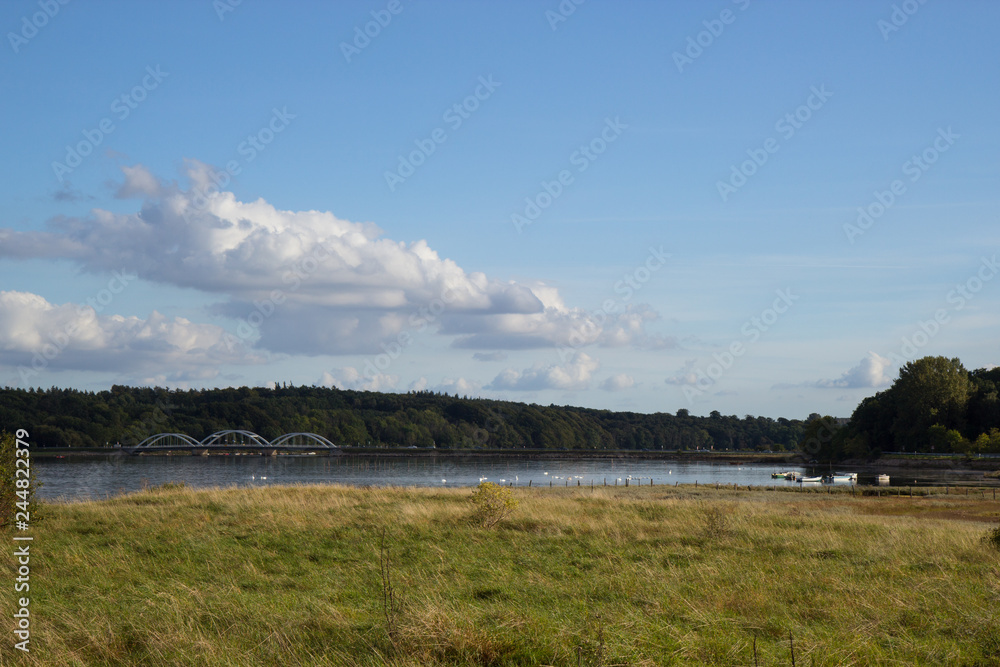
{"x":882,"y":479}
{"x":810,"y":479}
{"x":838,"y":478}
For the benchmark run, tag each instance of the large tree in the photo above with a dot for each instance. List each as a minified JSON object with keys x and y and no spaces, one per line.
{"x":929,"y":391}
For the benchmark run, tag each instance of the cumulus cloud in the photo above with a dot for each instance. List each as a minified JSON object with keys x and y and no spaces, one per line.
{"x":458,"y":386}
{"x":351,"y":378}
{"x":618,"y":382}
{"x":309,"y":282}
{"x":871,"y":372}
{"x":36,"y":335}
{"x":574,"y":375}
{"x":685,"y":376}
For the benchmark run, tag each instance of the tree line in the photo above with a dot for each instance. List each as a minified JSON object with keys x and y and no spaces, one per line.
{"x":126,"y":415}
{"x":935,"y":405}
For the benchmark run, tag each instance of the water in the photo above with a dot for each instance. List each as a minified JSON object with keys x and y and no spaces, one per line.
{"x":79,"y":478}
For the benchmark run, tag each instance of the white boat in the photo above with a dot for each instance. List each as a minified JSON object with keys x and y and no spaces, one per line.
{"x":838,"y":478}
{"x":810,"y":479}
{"x":852,"y":476}
{"x":882,"y":479}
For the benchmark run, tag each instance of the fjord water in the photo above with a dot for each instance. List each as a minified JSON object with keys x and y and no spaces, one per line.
{"x":80,"y":478}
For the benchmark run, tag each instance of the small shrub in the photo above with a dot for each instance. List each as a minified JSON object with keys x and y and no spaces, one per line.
{"x":493,"y":503}
{"x":992,"y":538}
{"x":715,"y":521}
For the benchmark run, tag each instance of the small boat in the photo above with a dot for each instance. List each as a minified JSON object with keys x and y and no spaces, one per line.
{"x":835,"y":478}
{"x":882,"y":479}
{"x":781,"y":475}
{"x":810,"y":479}
{"x":853,"y":476}
{"x":791,"y":476}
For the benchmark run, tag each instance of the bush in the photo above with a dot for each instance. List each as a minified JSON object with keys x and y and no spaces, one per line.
{"x":493,"y":503}
{"x":8,"y":482}
{"x":992,"y":538}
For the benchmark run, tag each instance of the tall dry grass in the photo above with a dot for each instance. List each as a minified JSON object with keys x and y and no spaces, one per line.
{"x":648,"y":576}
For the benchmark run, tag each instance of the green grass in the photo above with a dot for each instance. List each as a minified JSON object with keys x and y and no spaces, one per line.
{"x":650,"y":576}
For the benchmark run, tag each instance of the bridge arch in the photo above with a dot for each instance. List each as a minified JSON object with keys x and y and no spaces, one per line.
{"x":288,"y":440}
{"x":167,"y":440}
{"x":226,"y":438}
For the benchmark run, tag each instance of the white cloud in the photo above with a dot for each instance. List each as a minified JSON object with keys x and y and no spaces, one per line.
{"x":350,"y":378}
{"x":618,"y":382}
{"x":871,"y":372}
{"x":685,"y":376}
{"x":458,"y":386}
{"x":36,"y":336}
{"x":316,"y":284}
{"x":574,"y":375}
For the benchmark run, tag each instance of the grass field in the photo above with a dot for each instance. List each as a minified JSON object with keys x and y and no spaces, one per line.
{"x":625,"y":576}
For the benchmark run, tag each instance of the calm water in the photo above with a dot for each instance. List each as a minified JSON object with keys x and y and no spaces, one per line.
{"x":99,"y":477}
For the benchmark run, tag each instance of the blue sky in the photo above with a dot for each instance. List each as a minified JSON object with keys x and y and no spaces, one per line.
{"x":697,"y":168}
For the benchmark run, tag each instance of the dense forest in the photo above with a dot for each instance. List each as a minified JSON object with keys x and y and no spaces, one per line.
{"x":127,"y":415}
{"x":935,"y":405}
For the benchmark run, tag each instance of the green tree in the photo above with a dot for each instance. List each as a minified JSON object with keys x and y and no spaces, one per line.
{"x":929,"y":391}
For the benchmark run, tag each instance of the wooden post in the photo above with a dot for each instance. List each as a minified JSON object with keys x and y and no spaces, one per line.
{"x":529,"y":483}
{"x":791,"y":645}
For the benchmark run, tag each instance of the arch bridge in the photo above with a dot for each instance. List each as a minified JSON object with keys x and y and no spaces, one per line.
{"x":235,"y":440}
